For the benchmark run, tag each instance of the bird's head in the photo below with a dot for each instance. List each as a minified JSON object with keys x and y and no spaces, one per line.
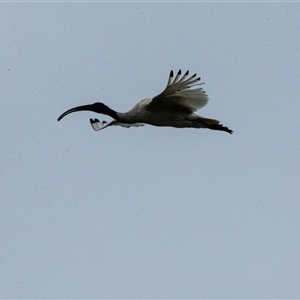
{"x":97,"y":107}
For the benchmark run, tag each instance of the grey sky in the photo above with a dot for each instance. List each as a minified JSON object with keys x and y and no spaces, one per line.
{"x":149,"y":212}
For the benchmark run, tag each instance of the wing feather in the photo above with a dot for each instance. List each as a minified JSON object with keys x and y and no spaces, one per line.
{"x":97,"y":125}
{"x":181,"y":93}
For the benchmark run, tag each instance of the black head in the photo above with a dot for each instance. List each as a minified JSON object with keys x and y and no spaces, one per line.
{"x":97,"y":107}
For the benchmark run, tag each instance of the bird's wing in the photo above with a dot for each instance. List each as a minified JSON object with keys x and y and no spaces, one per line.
{"x":97,"y":125}
{"x":180,"y":94}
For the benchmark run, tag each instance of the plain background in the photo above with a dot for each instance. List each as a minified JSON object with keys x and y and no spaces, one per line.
{"x":149,"y":212}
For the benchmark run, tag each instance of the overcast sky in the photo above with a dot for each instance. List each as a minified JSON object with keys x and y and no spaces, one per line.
{"x":149,"y":212}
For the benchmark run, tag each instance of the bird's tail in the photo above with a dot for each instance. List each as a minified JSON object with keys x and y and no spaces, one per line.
{"x":214,"y":125}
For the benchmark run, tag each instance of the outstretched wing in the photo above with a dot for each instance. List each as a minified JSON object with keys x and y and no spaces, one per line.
{"x":181,"y":94}
{"x":97,"y":125}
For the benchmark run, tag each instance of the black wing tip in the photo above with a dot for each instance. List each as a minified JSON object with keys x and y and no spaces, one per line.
{"x":92,"y":121}
{"x":185,"y":74}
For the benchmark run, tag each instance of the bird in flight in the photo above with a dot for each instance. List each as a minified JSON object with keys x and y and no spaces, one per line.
{"x":174,"y":107}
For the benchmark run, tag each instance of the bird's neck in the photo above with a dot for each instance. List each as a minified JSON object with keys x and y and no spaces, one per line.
{"x":110,"y":112}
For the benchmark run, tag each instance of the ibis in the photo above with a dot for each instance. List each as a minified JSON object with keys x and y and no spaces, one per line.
{"x":175,"y":106}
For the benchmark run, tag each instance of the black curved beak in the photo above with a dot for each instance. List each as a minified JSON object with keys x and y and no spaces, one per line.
{"x":77,"y":108}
